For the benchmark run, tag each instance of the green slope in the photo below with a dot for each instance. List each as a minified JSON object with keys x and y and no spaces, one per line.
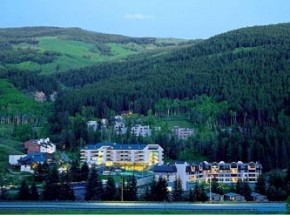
{"x":53,"y":50}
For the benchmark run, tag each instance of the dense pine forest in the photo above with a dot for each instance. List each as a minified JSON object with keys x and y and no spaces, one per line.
{"x":234,"y":87}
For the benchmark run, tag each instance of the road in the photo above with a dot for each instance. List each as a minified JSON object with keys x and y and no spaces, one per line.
{"x":242,"y":207}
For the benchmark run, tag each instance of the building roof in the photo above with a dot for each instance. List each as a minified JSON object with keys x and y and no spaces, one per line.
{"x":116,"y":146}
{"x":231,"y":194}
{"x":165,"y":168}
{"x":254,"y":194}
{"x":38,"y":157}
{"x":213,"y":194}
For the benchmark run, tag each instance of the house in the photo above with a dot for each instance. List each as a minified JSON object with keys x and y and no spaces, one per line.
{"x":167,"y":172}
{"x":41,"y":145}
{"x":139,"y":130}
{"x":127,"y":156}
{"x":119,"y":126}
{"x":92,"y":125}
{"x":214,"y":197}
{"x":234,"y":197}
{"x":13,"y":159}
{"x":257,"y":197}
{"x":182,"y":133}
{"x":28,"y":161}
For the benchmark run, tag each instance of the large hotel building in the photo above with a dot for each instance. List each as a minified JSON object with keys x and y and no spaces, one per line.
{"x":127,"y":156}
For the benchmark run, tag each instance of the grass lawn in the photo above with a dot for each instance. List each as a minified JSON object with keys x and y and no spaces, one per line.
{"x":181,"y":122}
{"x":8,"y":147}
{"x":94,"y":211}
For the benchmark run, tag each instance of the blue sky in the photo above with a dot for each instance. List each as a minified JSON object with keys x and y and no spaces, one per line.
{"x":156,"y":18}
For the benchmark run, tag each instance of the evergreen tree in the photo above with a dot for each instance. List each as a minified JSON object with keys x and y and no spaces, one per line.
{"x":287,"y":179}
{"x":196,"y":192}
{"x":34,"y":195}
{"x":177,"y":192}
{"x":216,"y":187}
{"x":161,"y":191}
{"x":130,"y":193}
{"x":247,"y":191}
{"x":202,"y":195}
{"x":84,"y":172}
{"x":66,"y":193}
{"x":110,"y":190}
{"x":94,"y":189}
{"x":51,"y":189}
{"x":74,"y":172}
{"x":191,"y":196}
{"x":261,"y":185}
{"x":24,"y":192}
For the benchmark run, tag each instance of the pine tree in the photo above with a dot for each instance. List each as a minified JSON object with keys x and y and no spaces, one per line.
{"x":261,"y":185}
{"x":110,"y":190}
{"x":34,"y":195}
{"x":161,"y":192}
{"x":84,"y":172}
{"x":191,"y":195}
{"x":94,"y":189}
{"x":24,"y":192}
{"x":130,"y":193}
{"x":66,"y":193}
{"x":177,"y":193}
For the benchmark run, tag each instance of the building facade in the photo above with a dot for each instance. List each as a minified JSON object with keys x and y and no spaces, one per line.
{"x":226,"y":173}
{"x":128,"y":156}
{"x":40,"y":145}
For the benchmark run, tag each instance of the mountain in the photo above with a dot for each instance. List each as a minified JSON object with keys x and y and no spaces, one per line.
{"x":245,"y":71}
{"x":246,"y":68}
{"x":53,"y":49}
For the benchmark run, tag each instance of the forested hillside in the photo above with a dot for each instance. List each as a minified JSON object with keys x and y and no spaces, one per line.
{"x":234,"y":87}
{"x":247,"y":68}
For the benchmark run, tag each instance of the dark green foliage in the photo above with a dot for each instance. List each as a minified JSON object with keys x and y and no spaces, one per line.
{"x":276,"y":187}
{"x":51,"y":192}
{"x":24,"y":192}
{"x":216,"y":187}
{"x":110,"y":191}
{"x":261,"y":185}
{"x":74,"y":172}
{"x":94,"y":188}
{"x":66,"y":193}
{"x":160,"y":192}
{"x":34,"y":195}
{"x":51,"y":189}
{"x":177,"y":193}
{"x":243,"y":189}
{"x":244,"y":73}
{"x":130,"y":189}
{"x":84,"y":172}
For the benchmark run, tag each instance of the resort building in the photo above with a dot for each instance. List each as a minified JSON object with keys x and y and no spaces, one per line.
{"x":226,"y":173}
{"x":127,"y":156}
{"x":40,"y":145}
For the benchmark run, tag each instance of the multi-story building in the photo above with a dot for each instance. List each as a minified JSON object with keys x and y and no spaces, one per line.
{"x":182,"y":133}
{"x":139,"y":130}
{"x":226,"y":173}
{"x":128,"y":156}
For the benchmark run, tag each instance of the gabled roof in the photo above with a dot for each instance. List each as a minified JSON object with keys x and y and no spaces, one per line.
{"x":165,"y":168}
{"x":38,"y":157}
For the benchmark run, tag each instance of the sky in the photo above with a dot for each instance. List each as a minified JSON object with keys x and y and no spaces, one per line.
{"x":189,"y":19}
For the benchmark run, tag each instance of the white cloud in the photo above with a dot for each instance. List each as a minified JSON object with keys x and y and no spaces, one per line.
{"x":138,"y":16}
